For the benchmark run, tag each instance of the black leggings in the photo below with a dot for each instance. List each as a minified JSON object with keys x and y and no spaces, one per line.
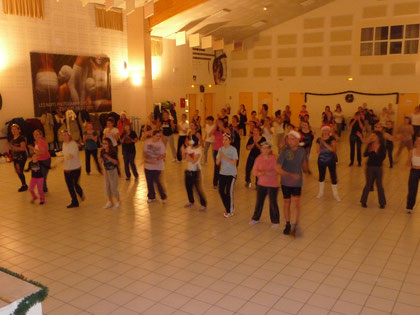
{"x":248,"y":168}
{"x":72,"y":181}
{"x":45,"y":165}
{"x":88,"y":154}
{"x":152,"y":178}
{"x":413,"y":184}
{"x":374,"y":173}
{"x":19,"y":167}
{"x":322,"y":168}
{"x":358,"y":143}
{"x":226,"y":184}
{"x":193,"y":179}
{"x":181,"y":142}
{"x":389,"y":150}
{"x":216,"y":169}
{"x":262,"y":192}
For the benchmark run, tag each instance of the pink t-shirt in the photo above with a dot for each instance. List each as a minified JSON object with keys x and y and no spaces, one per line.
{"x":218,"y":140}
{"x":42,"y":145}
{"x":267,"y":165}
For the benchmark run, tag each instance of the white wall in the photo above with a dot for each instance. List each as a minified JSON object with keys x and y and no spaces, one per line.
{"x":68,"y":28}
{"x":304,"y":71}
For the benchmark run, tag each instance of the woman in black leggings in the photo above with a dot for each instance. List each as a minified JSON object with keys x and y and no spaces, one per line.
{"x":326,"y":148}
{"x":413,"y":181}
{"x":356,"y":135}
{"x":17,"y":146}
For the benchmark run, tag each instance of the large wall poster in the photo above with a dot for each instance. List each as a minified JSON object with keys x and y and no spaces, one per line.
{"x":219,"y":67}
{"x":62,"y":82}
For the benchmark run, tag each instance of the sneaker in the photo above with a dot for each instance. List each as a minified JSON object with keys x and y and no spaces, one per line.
{"x":163,"y":200}
{"x":382,"y":206}
{"x":73,"y":205}
{"x":226,"y":215}
{"x":364,"y":205}
{"x":33,"y":200}
{"x":108,"y":205}
{"x":188,"y":205}
{"x":83,"y":198}
{"x":23,"y":188}
{"x":117,"y":205}
{"x":45,"y":190}
{"x":351,"y":164}
{"x":136,"y":177}
{"x":409,"y":211}
{"x":151,"y":200}
{"x":287,"y":229}
{"x":127,"y":178}
{"x":175,"y":160}
{"x":87,"y":173}
{"x":253,"y":222}
{"x":42,"y":202}
{"x":202,"y":208}
{"x":248,"y":185}
{"x":275,"y":225}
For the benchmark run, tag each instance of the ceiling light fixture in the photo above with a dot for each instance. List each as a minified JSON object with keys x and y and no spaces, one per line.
{"x":259,"y":24}
{"x":221,"y":13}
{"x":307,"y":3}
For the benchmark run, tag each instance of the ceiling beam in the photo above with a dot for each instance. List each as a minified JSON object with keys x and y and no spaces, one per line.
{"x":165,"y":9}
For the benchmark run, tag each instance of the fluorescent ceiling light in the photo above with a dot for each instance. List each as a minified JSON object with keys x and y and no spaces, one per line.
{"x":259,"y":24}
{"x":221,"y":13}
{"x":307,"y":3}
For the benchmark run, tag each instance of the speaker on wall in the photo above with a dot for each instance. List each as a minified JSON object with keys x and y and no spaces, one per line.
{"x":202,"y":88}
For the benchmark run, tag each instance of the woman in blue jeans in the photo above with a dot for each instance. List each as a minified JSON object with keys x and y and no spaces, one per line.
{"x":129,"y":139}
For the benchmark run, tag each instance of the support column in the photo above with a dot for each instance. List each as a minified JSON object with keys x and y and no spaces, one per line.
{"x":140,"y":96}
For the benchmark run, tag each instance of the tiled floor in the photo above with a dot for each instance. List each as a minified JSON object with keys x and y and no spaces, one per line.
{"x":165,"y":259}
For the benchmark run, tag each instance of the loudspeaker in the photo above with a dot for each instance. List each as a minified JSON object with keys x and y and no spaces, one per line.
{"x":202,"y":88}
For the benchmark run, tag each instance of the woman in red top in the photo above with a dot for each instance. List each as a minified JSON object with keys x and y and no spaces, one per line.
{"x":44,"y":157}
{"x":265,"y":170}
{"x":122,"y":123}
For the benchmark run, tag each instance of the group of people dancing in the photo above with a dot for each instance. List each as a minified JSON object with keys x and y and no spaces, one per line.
{"x":276,"y":149}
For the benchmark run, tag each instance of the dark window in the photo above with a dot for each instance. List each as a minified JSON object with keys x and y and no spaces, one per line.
{"x":411,"y":47}
{"x":397,"y":31}
{"x":412,"y":31}
{"x":366,"y":49}
{"x":395,"y":48}
{"x":367,"y":34}
{"x":381,"y":33}
{"x":381,"y":48}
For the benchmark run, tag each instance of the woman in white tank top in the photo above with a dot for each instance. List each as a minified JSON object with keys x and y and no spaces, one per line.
{"x":413,"y":181}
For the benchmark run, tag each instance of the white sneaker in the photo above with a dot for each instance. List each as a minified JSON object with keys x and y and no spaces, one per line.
{"x":117,"y":205}
{"x":189,"y":205}
{"x":226,"y":215}
{"x":253,"y":222}
{"x":108,"y":205}
{"x":275,"y":226}
{"x":151,"y":200}
{"x":202,"y":208}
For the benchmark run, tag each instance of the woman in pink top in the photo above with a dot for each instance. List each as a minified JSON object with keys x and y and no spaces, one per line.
{"x":122,"y":122}
{"x":44,"y":157}
{"x":217,"y":144}
{"x":265,"y":171}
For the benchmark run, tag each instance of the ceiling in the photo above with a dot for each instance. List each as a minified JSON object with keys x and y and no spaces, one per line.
{"x":238,"y":23}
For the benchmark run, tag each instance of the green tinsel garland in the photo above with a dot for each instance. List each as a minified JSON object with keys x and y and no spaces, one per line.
{"x":30,"y":300}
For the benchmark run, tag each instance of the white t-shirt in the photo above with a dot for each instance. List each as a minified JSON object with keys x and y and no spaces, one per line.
{"x":112,"y":135}
{"x":193,"y":152}
{"x":208,"y":130}
{"x":154,"y":150}
{"x":183,"y":129}
{"x":338,"y":117}
{"x":278,"y":128}
{"x":415,"y":119}
{"x":71,"y":148}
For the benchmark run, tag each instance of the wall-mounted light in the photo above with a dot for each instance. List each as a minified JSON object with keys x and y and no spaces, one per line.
{"x":192,"y":85}
{"x":350,"y":79}
{"x":265,"y":8}
{"x":209,"y":85}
